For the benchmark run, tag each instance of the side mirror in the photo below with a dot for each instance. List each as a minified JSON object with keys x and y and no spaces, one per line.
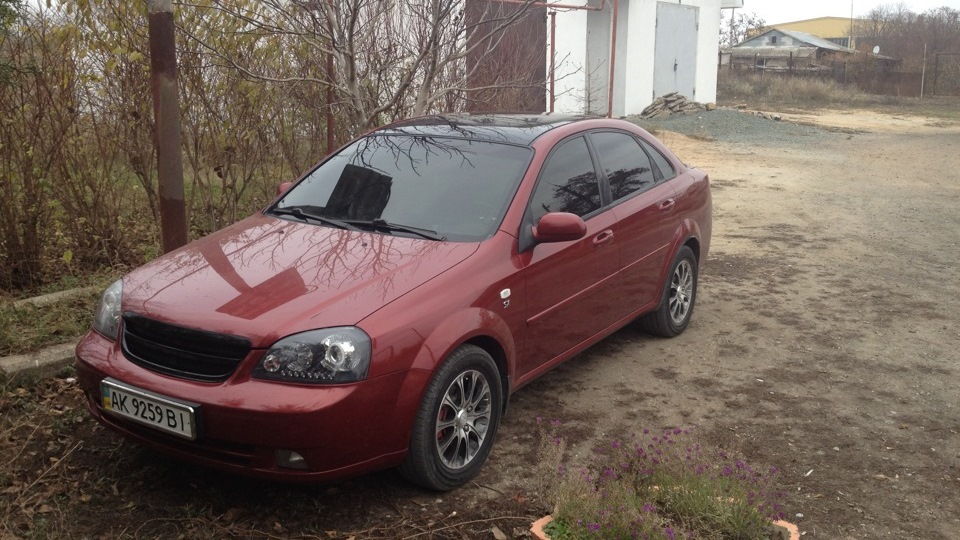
{"x":559,"y":227}
{"x":282,"y":188}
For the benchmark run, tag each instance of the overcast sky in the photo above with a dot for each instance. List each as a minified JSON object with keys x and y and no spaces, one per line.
{"x":780,"y":11}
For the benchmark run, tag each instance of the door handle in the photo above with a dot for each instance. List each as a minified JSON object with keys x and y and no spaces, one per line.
{"x":603,"y":238}
{"x":667,"y":205}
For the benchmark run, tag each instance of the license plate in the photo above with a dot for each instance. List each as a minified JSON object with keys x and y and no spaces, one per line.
{"x":154,"y":410}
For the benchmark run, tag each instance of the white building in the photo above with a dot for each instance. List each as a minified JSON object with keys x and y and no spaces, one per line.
{"x":660,"y":47}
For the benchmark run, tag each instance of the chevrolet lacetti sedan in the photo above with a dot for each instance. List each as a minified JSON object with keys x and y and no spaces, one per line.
{"x":382,"y":310}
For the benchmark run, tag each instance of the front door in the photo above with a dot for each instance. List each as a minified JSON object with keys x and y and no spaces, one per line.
{"x":571,"y":287}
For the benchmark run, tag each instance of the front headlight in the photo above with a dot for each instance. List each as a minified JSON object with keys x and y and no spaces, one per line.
{"x":331,"y":355}
{"x":107,"y":318}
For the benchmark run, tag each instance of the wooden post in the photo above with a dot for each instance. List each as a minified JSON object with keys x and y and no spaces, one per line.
{"x":166,"y":112}
{"x":613,"y":57}
{"x":936,"y":72}
{"x":331,"y":122}
{"x":553,"y":59}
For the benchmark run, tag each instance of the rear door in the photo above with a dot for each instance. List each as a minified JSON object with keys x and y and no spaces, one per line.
{"x":644,"y":204}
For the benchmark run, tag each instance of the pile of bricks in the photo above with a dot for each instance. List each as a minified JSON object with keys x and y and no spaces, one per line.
{"x":672,"y":103}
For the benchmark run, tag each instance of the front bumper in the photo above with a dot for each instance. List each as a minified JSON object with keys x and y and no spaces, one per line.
{"x":340,"y":430}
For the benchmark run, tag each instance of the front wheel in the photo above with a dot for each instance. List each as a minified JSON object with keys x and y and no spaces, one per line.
{"x":679,"y":296}
{"x":457,"y":421}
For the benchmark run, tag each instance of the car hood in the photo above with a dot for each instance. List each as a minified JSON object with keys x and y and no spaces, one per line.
{"x":264,"y":278}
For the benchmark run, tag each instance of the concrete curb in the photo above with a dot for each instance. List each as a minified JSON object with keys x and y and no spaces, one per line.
{"x":44,"y":361}
{"x":53,"y":298}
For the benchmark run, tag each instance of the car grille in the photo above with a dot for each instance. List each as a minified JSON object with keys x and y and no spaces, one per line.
{"x":181,"y":352}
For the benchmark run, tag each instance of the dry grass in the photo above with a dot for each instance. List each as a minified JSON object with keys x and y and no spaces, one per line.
{"x":29,"y":328}
{"x":64,"y":476}
{"x":775,"y":89}
{"x":802,"y":94}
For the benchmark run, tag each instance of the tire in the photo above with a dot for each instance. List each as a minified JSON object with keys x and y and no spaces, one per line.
{"x":453,"y":433}
{"x":679,"y":295}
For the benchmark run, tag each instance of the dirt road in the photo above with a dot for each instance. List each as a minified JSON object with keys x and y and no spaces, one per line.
{"x":825,"y":340}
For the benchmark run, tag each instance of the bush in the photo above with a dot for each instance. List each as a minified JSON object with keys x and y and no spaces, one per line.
{"x":660,"y":485}
{"x":738,"y":85}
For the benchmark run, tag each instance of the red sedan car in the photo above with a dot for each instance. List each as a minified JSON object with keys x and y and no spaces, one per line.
{"x":380,"y":312}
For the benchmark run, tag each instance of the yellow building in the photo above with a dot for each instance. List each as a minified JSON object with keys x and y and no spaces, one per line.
{"x":835,"y":29}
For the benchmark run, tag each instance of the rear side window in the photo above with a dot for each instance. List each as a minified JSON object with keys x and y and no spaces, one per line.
{"x":666,"y":169}
{"x":568,"y":182}
{"x":626,"y":165}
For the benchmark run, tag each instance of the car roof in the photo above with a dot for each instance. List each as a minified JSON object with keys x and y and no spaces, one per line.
{"x":520,"y":129}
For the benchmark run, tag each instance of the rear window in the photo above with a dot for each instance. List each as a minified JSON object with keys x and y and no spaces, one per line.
{"x":458,"y":188}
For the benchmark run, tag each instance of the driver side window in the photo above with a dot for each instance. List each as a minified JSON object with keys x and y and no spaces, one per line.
{"x":568,"y":182}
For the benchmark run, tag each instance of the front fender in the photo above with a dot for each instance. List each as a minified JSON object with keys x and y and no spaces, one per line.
{"x":477,"y":325}
{"x":471,"y":324}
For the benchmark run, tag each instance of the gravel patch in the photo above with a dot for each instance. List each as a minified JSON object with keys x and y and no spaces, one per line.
{"x":734,"y":126}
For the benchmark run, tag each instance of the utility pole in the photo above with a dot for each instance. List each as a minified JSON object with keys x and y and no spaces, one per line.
{"x":733,"y":18}
{"x":851,"y":26}
{"x":166,"y":113}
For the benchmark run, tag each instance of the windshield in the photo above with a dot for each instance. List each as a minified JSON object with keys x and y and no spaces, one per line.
{"x":453,"y":189}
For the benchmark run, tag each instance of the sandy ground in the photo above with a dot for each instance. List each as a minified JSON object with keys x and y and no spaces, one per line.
{"x":825,"y":340}
{"x":866,"y":121}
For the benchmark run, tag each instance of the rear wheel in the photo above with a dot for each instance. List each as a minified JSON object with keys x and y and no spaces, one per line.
{"x":679,"y":296}
{"x":457,"y":422}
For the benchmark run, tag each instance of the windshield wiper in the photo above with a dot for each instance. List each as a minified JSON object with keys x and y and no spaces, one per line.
{"x":298,"y":212}
{"x":386,"y":226}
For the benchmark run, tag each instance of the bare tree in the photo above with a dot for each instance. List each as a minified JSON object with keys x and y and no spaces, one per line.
{"x":903,"y":34}
{"x":738,"y":27}
{"x":391,"y":57}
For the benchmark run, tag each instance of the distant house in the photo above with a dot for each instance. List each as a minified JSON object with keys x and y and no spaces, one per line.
{"x":839,"y":30}
{"x":778,"y":49}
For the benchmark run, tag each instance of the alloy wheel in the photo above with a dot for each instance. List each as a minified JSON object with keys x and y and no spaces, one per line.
{"x":463,"y":419}
{"x":681,"y":292}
